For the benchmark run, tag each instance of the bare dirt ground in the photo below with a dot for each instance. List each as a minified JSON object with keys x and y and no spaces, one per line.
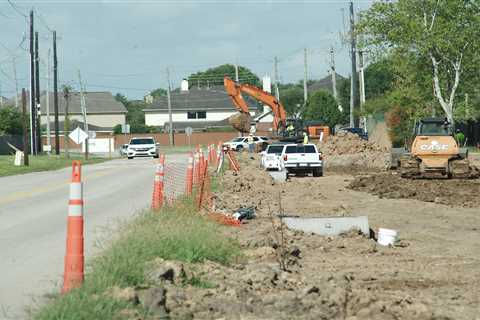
{"x":434,"y":272}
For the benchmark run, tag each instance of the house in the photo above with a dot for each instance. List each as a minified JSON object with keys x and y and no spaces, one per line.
{"x":194,"y":107}
{"x":103,"y":111}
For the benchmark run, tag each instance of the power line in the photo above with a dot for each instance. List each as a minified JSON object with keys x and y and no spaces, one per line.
{"x":16,"y":8}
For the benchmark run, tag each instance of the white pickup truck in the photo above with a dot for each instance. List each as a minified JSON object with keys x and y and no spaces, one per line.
{"x":303,"y":159}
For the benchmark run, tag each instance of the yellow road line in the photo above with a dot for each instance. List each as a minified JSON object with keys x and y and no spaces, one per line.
{"x":45,"y":189}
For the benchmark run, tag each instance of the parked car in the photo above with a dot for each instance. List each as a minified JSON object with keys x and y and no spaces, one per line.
{"x":271,"y":157}
{"x":143,"y":147}
{"x":358,"y":131}
{"x":123,"y":149}
{"x":240,"y":143}
{"x":302,"y":159}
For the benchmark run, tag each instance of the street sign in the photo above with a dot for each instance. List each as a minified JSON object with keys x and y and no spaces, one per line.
{"x":78,"y":136}
{"x":188,"y":131}
{"x":125,"y":128}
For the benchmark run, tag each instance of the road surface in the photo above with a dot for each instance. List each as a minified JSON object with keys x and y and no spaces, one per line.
{"x":33,"y":212}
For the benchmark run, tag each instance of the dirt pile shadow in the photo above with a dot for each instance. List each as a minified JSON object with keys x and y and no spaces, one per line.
{"x":453,"y":192}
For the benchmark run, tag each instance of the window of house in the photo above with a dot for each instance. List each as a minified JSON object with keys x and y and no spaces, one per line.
{"x":196,"y":115}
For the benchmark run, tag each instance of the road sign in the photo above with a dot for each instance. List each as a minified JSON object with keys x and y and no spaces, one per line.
{"x":125,"y":128}
{"x":188,"y":131}
{"x":78,"y":136}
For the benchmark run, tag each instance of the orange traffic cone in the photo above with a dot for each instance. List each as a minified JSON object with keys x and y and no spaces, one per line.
{"x":157,"y":197}
{"x":74,"y":258}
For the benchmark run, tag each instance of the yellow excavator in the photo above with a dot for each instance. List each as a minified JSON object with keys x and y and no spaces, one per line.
{"x":434,"y":153}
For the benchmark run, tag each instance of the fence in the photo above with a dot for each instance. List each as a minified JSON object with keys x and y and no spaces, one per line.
{"x":193,"y":177}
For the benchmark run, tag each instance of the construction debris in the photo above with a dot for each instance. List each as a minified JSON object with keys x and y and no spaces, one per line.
{"x":241,"y":121}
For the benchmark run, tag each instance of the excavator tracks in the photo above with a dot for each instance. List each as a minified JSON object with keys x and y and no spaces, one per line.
{"x":461,"y":169}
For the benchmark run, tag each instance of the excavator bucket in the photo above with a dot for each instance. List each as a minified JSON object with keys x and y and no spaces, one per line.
{"x":241,"y":122}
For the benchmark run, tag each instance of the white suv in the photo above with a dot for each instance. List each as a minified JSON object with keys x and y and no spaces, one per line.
{"x":142,"y":147}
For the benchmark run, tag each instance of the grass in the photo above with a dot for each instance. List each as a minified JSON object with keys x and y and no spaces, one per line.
{"x":176,"y":149}
{"x":41,"y":163}
{"x":176,"y":233}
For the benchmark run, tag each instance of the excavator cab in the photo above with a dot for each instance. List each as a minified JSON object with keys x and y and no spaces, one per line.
{"x":433,"y":153}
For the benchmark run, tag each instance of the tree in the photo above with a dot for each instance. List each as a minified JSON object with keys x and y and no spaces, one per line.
{"x":160,"y":92}
{"x":444,"y":33}
{"x":10,"y":121}
{"x":379,"y":78}
{"x":292,"y":100}
{"x":322,"y":106}
{"x":214,"y":76}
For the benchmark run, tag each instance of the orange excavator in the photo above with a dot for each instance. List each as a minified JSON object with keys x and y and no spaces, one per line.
{"x":243,"y":120}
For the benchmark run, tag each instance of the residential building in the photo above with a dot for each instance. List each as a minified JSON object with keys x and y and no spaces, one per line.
{"x":195,"y":107}
{"x":103,"y":111}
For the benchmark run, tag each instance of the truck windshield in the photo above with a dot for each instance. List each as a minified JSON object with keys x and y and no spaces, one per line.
{"x":275,"y":149}
{"x":142,"y":141}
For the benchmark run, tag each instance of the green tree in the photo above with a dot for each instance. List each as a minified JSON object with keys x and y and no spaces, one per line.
{"x":443,"y":34}
{"x":117,"y":129}
{"x":379,"y":78}
{"x":10,"y":121}
{"x":292,"y":100}
{"x":214,"y":76}
{"x":160,"y":92}
{"x":322,"y":106}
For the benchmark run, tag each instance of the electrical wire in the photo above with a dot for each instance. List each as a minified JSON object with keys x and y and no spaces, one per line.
{"x":16,"y":8}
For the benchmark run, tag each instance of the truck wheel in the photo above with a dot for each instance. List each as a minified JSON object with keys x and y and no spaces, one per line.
{"x":130,"y":158}
{"x":239,"y":148}
{"x":317,"y":172}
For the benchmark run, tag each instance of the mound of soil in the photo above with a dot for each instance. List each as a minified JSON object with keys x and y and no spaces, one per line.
{"x":450,"y":192}
{"x":349,"y":151}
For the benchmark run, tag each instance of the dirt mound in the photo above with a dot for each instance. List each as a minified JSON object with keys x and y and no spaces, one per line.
{"x":462,"y":193}
{"x":352,"y":152}
{"x":241,"y":122}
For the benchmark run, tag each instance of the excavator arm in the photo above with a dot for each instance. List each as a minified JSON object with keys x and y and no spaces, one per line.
{"x":235,"y":90}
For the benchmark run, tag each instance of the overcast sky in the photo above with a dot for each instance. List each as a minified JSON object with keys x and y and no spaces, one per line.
{"x":126,"y":46}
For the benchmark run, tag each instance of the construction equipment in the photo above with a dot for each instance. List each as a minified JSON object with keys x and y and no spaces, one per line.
{"x":433,"y":153}
{"x":242,"y":121}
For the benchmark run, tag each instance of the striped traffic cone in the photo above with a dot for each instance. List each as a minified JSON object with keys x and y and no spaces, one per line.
{"x":74,"y":259}
{"x":157,"y":197}
{"x":196,"y":167}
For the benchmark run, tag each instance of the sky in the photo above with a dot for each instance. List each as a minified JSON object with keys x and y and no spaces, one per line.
{"x":127,"y":46}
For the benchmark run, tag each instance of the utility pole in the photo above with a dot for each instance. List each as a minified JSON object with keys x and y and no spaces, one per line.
{"x":305,"y":74}
{"x":33,"y":130}
{"x":362,"y":86}
{"x":169,"y":102}
{"x":37,"y":95}
{"x":16,"y":82}
{"x":25,"y":127}
{"x":55,"y":94}
{"x":236,"y":72}
{"x":84,"y":112}
{"x":353,"y":80}
{"x":275,"y":70}
{"x":334,"y":73}
{"x":66,"y":123}
{"x":47,"y":101}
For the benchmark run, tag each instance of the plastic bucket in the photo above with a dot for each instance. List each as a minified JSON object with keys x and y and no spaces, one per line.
{"x":387,"y":237}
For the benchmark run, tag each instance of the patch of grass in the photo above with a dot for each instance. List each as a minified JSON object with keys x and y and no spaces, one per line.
{"x":199,"y":283}
{"x":176,"y":149}
{"x":41,"y":163}
{"x":176,"y":233}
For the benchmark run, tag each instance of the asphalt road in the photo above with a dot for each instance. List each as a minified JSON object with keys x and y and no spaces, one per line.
{"x":33,"y":213}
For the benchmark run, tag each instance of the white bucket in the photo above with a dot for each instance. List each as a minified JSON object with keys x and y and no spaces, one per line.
{"x":387,"y":236}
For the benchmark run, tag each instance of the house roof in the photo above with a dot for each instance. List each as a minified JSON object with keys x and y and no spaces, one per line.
{"x":74,"y":124}
{"x":326,"y":83}
{"x":196,"y":99}
{"x":96,"y":102}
